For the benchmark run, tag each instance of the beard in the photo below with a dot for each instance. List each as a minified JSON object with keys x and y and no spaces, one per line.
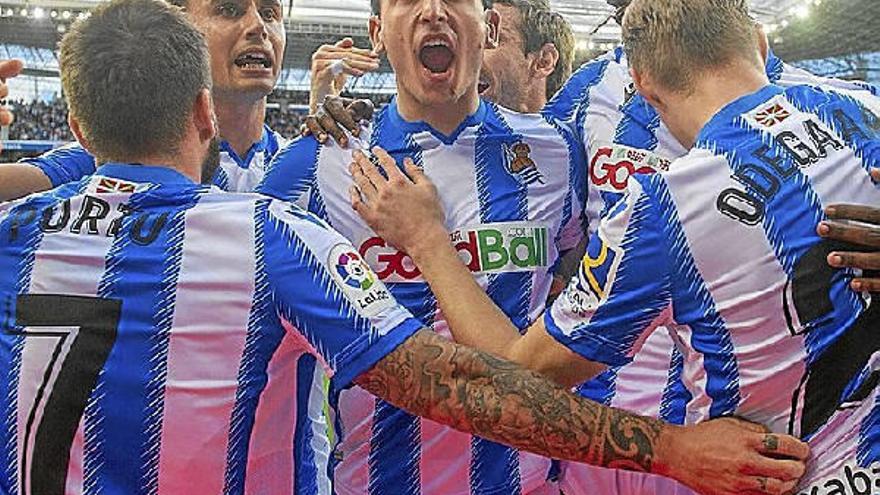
{"x":211,"y":161}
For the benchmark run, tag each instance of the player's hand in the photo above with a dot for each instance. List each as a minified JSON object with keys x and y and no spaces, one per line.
{"x":331,"y":66}
{"x":860,"y":227}
{"x":337,"y":111}
{"x":403,"y":209}
{"x":8,"y":70}
{"x":729,"y":456}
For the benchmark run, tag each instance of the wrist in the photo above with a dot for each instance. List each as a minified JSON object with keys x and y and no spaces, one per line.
{"x":428,"y":245}
{"x":667,"y":451}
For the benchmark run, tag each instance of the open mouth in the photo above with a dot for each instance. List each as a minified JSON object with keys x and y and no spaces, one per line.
{"x":254,"y":60}
{"x":436,"y":56}
{"x":483,"y":86}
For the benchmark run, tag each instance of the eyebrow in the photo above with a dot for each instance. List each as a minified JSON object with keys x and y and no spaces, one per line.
{"x":272,"y":3}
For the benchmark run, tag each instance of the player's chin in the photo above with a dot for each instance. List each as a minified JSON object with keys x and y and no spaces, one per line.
{"x":257,"y":87}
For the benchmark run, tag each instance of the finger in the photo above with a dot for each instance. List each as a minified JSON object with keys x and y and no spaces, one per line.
{"x":861,"y":213}
{"x":386,"y":162}
{"x":852,"y":233}
{"x":315,"y":129}
{"x":362,"y":66}
{"x":335,"y":108}
{"x":381,"y":162}
{"x":414,"y":172}
{"x":781,"y":446}
{"x":344,"y":43}
{"x":773,"y":486}
{"x":866,"y":285}
{"x":6,"y":118}
{"x":10,"y":68}
{"x":781,"y":469}
{"x":875,"y":175}
{"x":357,"y":203}
{"x":363,"y":52}
{"x":4,"y":90}
{"x":864,"y":261}
{"x":361,"y":110}
{"x":320,"y":60}
{"x":358,"y":170}
{"x":328,"y":123}
{"x":304,"y":130}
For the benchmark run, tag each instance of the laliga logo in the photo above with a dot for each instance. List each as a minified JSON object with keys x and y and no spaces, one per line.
{"x":354,"y":271}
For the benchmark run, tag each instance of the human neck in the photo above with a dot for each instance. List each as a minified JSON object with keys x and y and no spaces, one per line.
{"x":712,"y":92}
{"x":536,"y":98}
{"x":445,"y":117}
{"x":240,"y":121}
{"x":187,"y":163}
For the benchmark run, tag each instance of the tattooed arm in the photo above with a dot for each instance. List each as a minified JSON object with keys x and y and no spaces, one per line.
{"x":475,"y":392}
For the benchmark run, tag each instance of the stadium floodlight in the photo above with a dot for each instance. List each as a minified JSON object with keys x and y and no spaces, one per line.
{"x":53,"y":14}
{"x":23,"y":12}
{"x":65,"y":14}
{"x":39,"y":13}
{"x":803,"y":11}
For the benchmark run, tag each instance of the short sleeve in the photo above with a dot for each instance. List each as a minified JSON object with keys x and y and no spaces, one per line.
{"x":622,"y":290}
{"x":291,"y":173}
{"x":328,"y":296}
{"x":68,"y":163}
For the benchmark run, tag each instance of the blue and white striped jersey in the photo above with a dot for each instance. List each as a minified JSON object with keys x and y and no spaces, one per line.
{"x":237,"y":174}
{"x":512,"y":189}
{"x":159,"y":336}
{"x":722,"y":250}
{"x":623,"y":135}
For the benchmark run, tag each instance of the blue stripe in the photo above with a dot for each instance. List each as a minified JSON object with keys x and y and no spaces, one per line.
{"x":868,"y":450}
{"x":145,"y":278}
{"x":502,"y":198}
{"x":575,"y":94}
{"x":638,"y":127}
{"x":494,"y":468}
{"x":394,"y":457}
{"x":20,"y":237}
{"x":394,"y":452}
{"x":775,"y":67}
{"x":831,"y":108}
{"x":694,"y":306}
{"x":673,"y":406}
{"x":602,"y":388}
{"x":791,"y":215}
{"x":221,"y":179}
{"x":306,"y":481}
{"x":264,"y":335}
{"x":577,"y":180}
{"x":293,"y":170}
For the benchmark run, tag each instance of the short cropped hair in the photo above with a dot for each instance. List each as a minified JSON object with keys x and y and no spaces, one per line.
{"x":376,"y":5}
{"x":541,"y":24}
{"x":131,"y":73}
{"x":675,"y":40}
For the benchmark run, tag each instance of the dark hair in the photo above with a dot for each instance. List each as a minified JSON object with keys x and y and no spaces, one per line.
{"x":540,"y":25}
{"x":131,"y":73}
{"x":376,"y":5}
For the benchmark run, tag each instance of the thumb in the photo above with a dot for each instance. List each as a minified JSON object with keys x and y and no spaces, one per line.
{"x":345,"y":43}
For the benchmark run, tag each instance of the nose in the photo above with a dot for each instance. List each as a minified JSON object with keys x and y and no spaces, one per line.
{"x":433,"y":11}
{"x":256,"y":25}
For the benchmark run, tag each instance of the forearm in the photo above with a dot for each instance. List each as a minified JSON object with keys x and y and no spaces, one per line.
{"x":18,"y":180}
{"x":473,"y":317}
{"x":474,"y":392}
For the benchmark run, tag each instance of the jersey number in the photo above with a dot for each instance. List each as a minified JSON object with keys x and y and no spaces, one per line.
{"x":68,"y":379}
{"x":826,"y":379}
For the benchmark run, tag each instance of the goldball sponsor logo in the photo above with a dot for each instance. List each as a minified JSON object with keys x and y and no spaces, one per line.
{"x":489,"y":248}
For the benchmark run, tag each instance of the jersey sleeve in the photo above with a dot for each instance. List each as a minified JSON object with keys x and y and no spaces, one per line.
{"x":290,"y":175}
{"x":327,"y":296}
{"x":622,"y":290}
{"x":69,"y":163}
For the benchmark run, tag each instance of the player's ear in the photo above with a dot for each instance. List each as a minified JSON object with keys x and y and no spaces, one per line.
{"x":763,"y":43}
{"x":203,"y":116}
{"x":376,"y":34}
{"x":77,"y":131}
{"x":493,"y":28}
{"x":646,"y":87}
{"x":545,"y":60}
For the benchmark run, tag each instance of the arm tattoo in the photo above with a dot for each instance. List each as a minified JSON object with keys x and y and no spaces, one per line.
{"x":474,"y":392}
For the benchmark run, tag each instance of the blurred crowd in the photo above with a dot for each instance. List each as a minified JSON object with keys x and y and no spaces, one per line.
{"x":40,"y":121}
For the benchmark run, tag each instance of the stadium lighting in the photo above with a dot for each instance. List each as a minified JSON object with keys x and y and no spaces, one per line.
{"x":803,"y":11}
{"x":62,"y":28}
{"x":65,"y":14}
{"x":53,"y":14}
{"x":23,"y":12}
{"x":39,"y":13}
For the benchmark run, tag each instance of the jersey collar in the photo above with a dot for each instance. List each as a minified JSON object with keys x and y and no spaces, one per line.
{"x":267,"y":142}
{"x":134,"y":172}
{"x":733,"y":110}
{"x":471,"y":120}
